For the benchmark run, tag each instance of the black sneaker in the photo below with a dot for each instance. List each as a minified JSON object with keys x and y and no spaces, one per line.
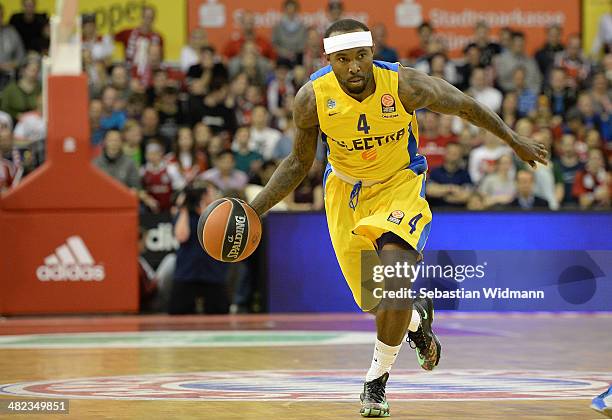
{"x":423,"y":340}
{"x":373,"y":400}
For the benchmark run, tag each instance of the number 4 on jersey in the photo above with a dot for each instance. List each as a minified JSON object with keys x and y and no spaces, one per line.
{"x":362,"y":124}
{"x":413,"y":222}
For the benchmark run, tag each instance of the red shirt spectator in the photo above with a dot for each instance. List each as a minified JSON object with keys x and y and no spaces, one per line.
{"x":592,"y":185}
{"x":136,"y":41}
{"x":234,"y":46}
{"x":158,"y":180}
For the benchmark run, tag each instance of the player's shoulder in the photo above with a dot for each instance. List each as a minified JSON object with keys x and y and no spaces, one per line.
{"x":305,"y":107}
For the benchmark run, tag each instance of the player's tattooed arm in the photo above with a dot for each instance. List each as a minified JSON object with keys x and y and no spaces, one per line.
{"x":294,"y":167}
{"x":419,"y":90}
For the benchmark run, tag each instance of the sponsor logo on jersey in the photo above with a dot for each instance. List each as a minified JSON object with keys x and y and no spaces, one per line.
{"x":71,"y":261}
{"x":396,"y":217}
{"x":367,"y":143}
{"x":387,"y":103}
{"x":331,"y":103}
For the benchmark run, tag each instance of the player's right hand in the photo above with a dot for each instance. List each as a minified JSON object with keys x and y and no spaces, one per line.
{"x":530,"y":151}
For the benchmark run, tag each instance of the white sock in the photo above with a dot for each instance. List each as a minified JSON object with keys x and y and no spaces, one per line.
{"x":384,"y":357}
{"x":415,"y":321}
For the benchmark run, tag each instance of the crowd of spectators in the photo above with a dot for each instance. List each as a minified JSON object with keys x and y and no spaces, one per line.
{"x":225,"y":115}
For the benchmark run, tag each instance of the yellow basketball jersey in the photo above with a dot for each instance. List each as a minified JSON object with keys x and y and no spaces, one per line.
{"x":372,"y":139}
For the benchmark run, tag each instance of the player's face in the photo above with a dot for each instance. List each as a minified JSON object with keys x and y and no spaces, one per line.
{"x":353,"y":68}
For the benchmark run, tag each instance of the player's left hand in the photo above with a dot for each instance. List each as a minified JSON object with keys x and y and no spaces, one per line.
{"x":530,"y":151}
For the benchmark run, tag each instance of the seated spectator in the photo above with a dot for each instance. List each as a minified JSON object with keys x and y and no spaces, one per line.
{"x":464,"y":71}
{"x":99,"y":46}
{"x":153,"y":65}
{"x":476,"y":202}
{"x":31,"y":127}
{"x":120,"y":80}
{"x":545,"y":56}
{"x":436,"y":64}
{"x":31,"y":27}
{"x":482,"y":40}
{"x":450,"y":184}
{"x":525,"y":196}
{"x":149,"y":123}
{"x":508,"y":61}
{"x":12,"y":51}
{"x":189,"y":161}
{"x":199,"y":283}
{"x":170,"y":115}
{"x":601,"y":93}
{"x":97,"y":76}
{"x":527,"y":99}
{"x":561,"y":96}
{"x":201,"y":136}
{"x":159,"y":179}
{"x":486,"y":95}
{"x":207,"y":70}
{"x":213,"y":111}
{"x":253,"y":97}
{"x":250,"y":62}
{"x":280,"y":88}
{"x":20,"y":96}
{"x":333,"y":13}
{"x":289,"y":34}
{"x":308,"y":195}
{"x":190,"y":53}
{"x":424,"y":32}
{"x":548,"y":178}
{"x":247,"y":33}
{"x":136,"y":41}
{"x":571,"y":60}
{"x":505,"y":38}
{"x":111,"y":118}
{"x":11,"y":168}
{"x":509,"y":111}
{"x":224,"y":175}
{"x":568,"y":164}
{"x":382,"y":51}
{"x":132,"y":141}
{"x":136,"y":103}
{"x":285,"y":144}
{"x":435,"y":138}
{"x":499,"y":187}
{"x":313,"y":57}
{"x":115,"y":163}
{"x":247,"y":160}
{"x":593,"y":184}
{"x":263,"y":137}
{"x":483,"y":159}
{"x":260,"y":181}
{"x":588,"y":115}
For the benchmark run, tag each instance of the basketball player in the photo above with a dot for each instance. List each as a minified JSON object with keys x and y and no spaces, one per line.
{"x":374,"y":183}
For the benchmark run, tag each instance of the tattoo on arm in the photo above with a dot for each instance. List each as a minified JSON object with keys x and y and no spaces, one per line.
{"x":294,"y":168}
{"x":418,"y":90}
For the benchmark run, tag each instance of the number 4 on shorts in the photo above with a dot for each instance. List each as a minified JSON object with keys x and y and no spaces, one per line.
{"x":413,"y":222}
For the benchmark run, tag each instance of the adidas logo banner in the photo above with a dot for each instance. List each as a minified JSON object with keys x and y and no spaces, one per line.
{"x":71,"y":261}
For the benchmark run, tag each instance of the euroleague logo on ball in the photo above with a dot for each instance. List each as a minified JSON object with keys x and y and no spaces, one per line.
{"x":387,"y":103}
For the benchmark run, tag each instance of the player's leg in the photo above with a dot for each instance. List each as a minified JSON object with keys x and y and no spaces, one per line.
{"x":603,"y":403}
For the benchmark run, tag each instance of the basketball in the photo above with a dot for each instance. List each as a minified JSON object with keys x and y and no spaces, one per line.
{"x":229,"y":230}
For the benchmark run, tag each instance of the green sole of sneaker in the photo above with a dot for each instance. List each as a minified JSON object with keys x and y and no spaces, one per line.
{"x":374,"y":412}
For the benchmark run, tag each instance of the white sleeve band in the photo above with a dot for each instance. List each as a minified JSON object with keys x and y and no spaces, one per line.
{"x":346,"y":41}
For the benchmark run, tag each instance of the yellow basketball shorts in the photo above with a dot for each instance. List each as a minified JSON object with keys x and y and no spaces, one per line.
{"x":396,"y":205}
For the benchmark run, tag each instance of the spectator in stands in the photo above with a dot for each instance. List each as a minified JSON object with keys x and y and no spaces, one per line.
{"x":483,"y":159}
{"x":508,"y":61}
{"x":190,"y":53}
{"x":464,"y":71}
{"x":450,"y":184}
{"x":99,"y":46}
{"x":499,"y":187}
{"x":482,"y":40}
{"x":548,"y":178}
{"x":484,"y":94}
{"x":207,"y":70}
{"x":440,"y":66}
{"x":31,"y":26}
{"x":505,"y":38}
{"x":236,"y":97}
{"x":424,"y":32}
{"x":159,"y":179}
{"x":189,"y":161}
{"x":436,"y":136}
{"x":11,"y":168}
{"x":120,"y":80}
{"x":569,"y":165}
{"x":334,"y":12}
{"x":248,"y":33}
{"x":247,"y":160}
{"x":527,"y":99}
{"x":381,"y":50}
{"x":12,"y":51}
{"x":509,"y":111}
{"x":561,"y":96}
{"x":586,"y":110}
{"x":170,"y":115}
{"x":137,"y":41}
{"x":150,"y":126}
{"x":95,"y":113}
{"x":111,"y":118}
{"x":574,"y":63}
{"x":593,"y":184}
{"x":545,"y":56}
{"x":115,"y":163}
{"x":601,"y":93}
{"x":289,"y":34}
{"x":525,"y":196}
{"x":136,"y":103}
{"x":201,"y":136}
{"x":313,"y":57}
{"x":132,"y":141}
{"x":20,"y":96}
{"x":263,"y":137}
{"x":280,"y":88}
{"x":197,"y":276}
{"x":224,"y":174}
{"x":252,"y":63}
{"x":213,"y":111}
{"x":30,"y":133}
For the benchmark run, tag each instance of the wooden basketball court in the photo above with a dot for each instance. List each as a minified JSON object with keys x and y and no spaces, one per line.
{"x":494,"y":366}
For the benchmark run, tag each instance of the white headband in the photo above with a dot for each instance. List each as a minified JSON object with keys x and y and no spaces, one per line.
{"x":346,"y":41}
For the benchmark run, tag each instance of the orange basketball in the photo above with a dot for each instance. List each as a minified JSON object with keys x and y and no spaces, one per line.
{"x":229,"y":230}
